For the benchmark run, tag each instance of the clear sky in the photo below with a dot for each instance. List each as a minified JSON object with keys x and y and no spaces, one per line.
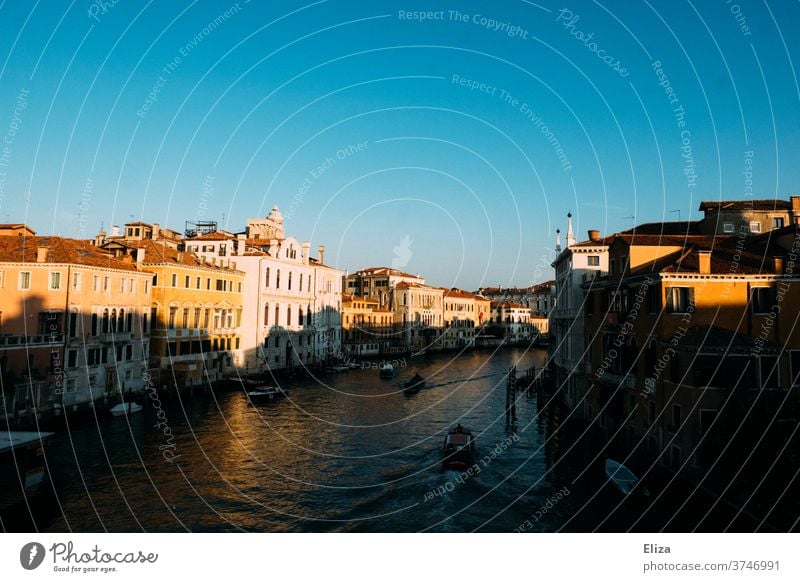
{"x":452,"y":145}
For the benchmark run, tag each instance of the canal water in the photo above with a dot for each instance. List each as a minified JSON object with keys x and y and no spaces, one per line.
{"x":346,"y":452}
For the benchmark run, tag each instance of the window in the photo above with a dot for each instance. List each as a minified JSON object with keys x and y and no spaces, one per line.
{"x":727,"y":228}
{"x":278,"y":279}
{"x":755,"y":227}
{"x":197,"y":317}
{"x":76,"y":281}
{"x":676,"y":417}
{"x":72,"y":358}
{"x":173,"y":313}
{"x":106,"y":282}
{"x":794,"y":359}
{"x":289,"y":287}
{"x":239,"y":287}
{"x":762,"y":299}
{"x":73,"y":324}
{"x":25,"y":280}
{"x":174,"y":280}
{"x":94,"y":324}
{"x":266,"y":279}
{"x":612,"y":266}
{"x":197,"y":283}
{"x":769,"y":371}
{"x":653,"y":299}
{"x":593,"y":260}
{"x":777,"y":222}
{"x":208,"y":283}
{"x":679,"y":299}
{"x":185,"y":319}
{"x":289,"y":313}
{"x":95,"y":283}
{"x":186,"y":281}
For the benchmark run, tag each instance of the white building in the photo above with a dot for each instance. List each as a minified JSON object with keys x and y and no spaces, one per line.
{"x":292,"y":302}
{"x":576,"y":264}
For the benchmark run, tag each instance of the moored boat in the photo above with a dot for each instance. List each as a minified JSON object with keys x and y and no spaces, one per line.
{"x":23,"y":471}
{"x":266,"y":393}
{"x":386,"y":370}
{"x":124,"y":408}
{"x":459,"y":449}
{"x":623,"y":479}
{"x":341,"y":368}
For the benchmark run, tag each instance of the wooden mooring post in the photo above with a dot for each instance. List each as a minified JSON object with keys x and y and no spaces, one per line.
{"x":511,"y":397}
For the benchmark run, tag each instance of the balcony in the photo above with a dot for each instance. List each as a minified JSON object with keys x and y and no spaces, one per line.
{"x":31,"y":340}
{"x":117,"y":337}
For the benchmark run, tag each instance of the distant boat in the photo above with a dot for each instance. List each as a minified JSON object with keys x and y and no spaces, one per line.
{"x":124,"y":408}
{"x":386,"y":370}
{"x":623,"y":479}
{"x":266,"y":392}
{"x":341,"y":368}
{"x":23,"y":472}
{"x":459,"y":449}
{"x":354,"y":366}
{"x":414,"y":385}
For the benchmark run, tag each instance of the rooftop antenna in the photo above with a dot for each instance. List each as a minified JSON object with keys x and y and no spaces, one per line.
{"x":674,"y":211}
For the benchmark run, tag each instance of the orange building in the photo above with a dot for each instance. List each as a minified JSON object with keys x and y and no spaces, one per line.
{"x":687,"y":334}
{"x":74,"y":325}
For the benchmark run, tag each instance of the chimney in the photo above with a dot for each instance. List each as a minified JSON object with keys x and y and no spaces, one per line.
{"x":273,"y":247}
{"x":240,"y":244}
{"x":139,"y":257}
{"x":156,"y":230}
{"x":306,"y":252}
{"x":41,"y":254}
{"x":179,"y":257}
{"x":778,"y":265}
{"x":321,"y":253}
{"x":115,"y":230}
{"x":594,"y":235}
{"x":704,"y":259}
{"x":100,"y":238}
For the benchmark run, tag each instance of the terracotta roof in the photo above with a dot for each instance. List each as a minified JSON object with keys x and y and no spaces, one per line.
{"x":157,"y":252}
{"x":386,"y":271}
{"x":507,"y":305}
{"x":59,"y":251}
{"x":460,"y":294}
{"x":407,"y":285}
{"x":744,"y":205}
{"x":543,"y":286}
{"x":212,"y":236}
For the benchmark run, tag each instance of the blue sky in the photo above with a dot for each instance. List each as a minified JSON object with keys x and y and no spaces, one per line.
{"x":470,"y":136}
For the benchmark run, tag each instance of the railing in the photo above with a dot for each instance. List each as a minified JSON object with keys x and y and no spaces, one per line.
{"x":115,"y":337}
{"x":22,"y":340}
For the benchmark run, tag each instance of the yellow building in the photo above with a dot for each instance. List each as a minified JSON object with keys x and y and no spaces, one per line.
{"x":74,"y":325}
{"x":418,"y":313}
{"x":464,"y":313}
{"x":196,"y":312}
{"x":366,"y":327}
{"x":688,"y":333}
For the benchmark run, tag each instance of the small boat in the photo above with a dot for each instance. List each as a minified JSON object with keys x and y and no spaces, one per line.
{"x":341,"y":368}
{"x":386,"y":370}
{"x":124,"y":408}
{"x":354,"y":366}
{"x":623,"y":479}
{"x":459,"y":450}
{"x":266,"y":392}
{"x":414,"y":385}
{"x":23,"y":472}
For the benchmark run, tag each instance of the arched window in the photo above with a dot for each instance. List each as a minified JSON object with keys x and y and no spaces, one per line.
{"x":94,"y":324}
{"x":300,"y":287}
{"x":266,"y":279}
{"x":308,"y":315}
{"x":300,"y":315}
{"x":121,"y":320}
{"x":290,"y":281}
{"x":105,"y":320}
{"x":266,"y":315}
{"x":277,"y":315}
{"x":288,"y":315}
{"x":277,"y":278}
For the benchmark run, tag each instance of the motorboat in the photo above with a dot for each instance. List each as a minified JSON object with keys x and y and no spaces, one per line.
{"x":23,"y":471}
{"x":414,"y":385}
{"x":125,"y":408}
{"x":266,"y":392}
{"x":386,"y":370}
{"x":623,"y":479}
{"x":459,"y":449}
